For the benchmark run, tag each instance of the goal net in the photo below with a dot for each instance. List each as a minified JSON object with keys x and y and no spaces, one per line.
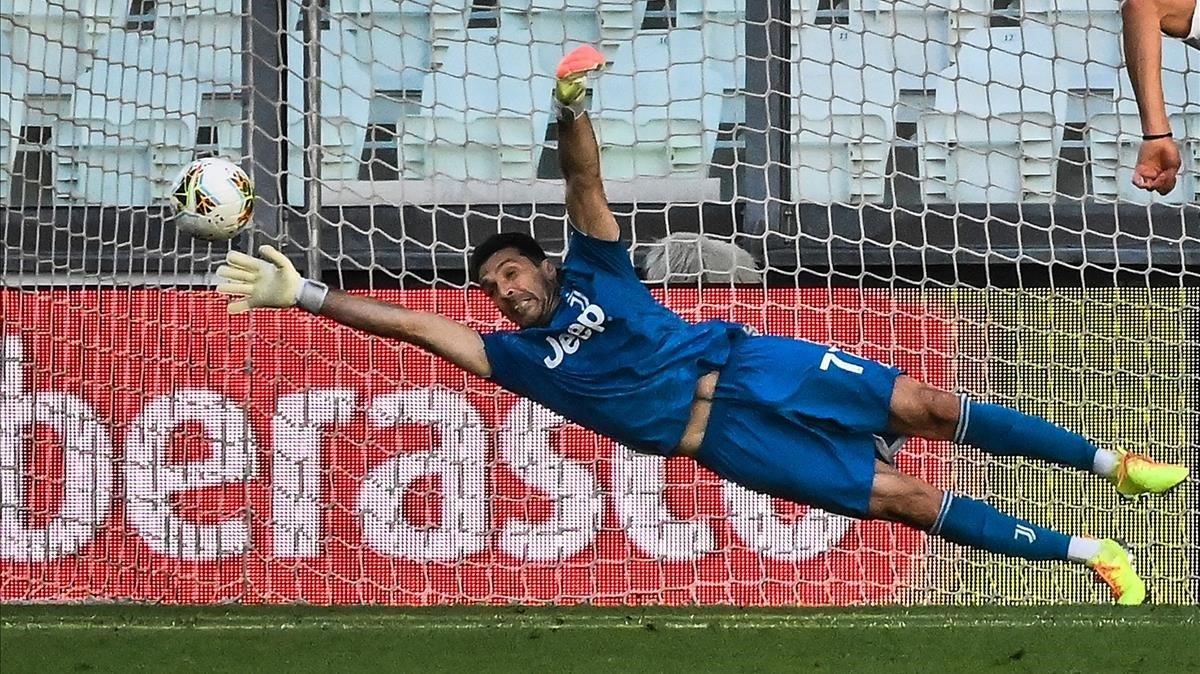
{"x":941,"y":186}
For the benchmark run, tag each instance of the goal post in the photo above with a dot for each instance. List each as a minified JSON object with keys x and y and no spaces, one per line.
{"x":941,"y":186}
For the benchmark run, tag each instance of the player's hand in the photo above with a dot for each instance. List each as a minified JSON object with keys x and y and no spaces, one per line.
{"x":572,"y":74}
{"x":253,"y":282}
{"x":1157,"y":165}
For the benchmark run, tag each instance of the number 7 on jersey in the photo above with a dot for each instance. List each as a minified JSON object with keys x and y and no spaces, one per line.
{"x":832,"y":358}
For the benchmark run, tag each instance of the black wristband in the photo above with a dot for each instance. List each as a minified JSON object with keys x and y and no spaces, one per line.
{"x":1158,"y":136}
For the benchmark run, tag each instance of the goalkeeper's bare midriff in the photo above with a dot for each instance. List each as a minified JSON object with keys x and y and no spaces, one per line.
{"x":693,"y":433}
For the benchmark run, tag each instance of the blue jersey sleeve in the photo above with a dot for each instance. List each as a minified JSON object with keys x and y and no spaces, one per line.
{"x":498,"y":347}
{"x":587,"y":253}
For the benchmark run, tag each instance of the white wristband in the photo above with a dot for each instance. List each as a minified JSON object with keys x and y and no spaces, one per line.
{"x":572,"y":111}
{"x":311,"y":295}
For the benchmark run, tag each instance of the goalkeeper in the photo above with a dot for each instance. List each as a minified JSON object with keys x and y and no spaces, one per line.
{"x":789,"y":418}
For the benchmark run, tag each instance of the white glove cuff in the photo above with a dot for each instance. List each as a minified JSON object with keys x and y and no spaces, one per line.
{"x":311,"y":295}
{"x":572,"y":111}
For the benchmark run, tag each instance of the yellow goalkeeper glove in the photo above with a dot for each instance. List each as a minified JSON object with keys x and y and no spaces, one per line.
{"x":254,"y":282}
{"x":572,"y":74}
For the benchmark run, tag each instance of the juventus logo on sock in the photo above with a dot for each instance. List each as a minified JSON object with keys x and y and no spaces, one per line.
{"x":1023,"y":531}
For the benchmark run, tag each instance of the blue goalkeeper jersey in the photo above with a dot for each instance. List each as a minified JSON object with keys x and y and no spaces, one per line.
{"x":612,"y":359}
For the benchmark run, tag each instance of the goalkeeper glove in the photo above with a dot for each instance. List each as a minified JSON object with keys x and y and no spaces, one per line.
{"x":572,"y":74}
{"x":272,"y":282}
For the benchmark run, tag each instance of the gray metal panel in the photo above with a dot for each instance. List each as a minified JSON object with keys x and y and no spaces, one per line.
{"x":839,"y":238}
{"x":768,"y":115}
{"x":263,"y":95}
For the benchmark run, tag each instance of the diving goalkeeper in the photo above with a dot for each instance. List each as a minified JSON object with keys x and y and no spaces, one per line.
{"x":788,"y":418}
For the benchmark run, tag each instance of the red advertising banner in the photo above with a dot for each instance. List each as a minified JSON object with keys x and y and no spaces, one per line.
{"x":154,"y":449}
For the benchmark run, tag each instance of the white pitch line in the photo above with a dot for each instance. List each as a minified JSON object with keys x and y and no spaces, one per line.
{"x":666,"y":623}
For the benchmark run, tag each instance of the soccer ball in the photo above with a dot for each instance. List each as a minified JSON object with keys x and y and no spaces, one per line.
{"x":213,"y":199}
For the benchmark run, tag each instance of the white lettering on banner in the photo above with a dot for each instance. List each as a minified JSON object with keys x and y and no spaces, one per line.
{"x":458,"y":459}
{"x":578,"y":504}
{"x":639,"y":487}
{"x":297,"y":497}
{"x":590,"y":321}
{"x":151,"y":480}
{"x":755,"y":521}
{"x":87,"y":460}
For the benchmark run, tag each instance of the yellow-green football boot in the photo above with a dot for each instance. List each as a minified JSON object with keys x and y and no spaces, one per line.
{"x":1139,"y":474}
{"x":1115,"y":568}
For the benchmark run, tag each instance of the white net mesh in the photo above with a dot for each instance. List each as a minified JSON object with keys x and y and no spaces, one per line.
{"x":899,"y":179}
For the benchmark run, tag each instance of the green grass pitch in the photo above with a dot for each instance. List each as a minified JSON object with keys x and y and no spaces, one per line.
{"x":490,"y":639}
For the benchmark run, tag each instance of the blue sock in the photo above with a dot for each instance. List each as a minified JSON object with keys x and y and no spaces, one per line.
{"x":966,"y":521}
{"x":1007,"y":432}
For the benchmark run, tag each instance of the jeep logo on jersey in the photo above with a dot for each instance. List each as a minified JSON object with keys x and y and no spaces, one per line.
{"x":590,"y":321}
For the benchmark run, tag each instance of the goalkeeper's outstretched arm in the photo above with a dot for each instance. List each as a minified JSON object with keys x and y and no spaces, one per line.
{"x":578,"y":152}
{"x":272,"y":281}
{"x":439,"y":335}
{"x":579,"y":155}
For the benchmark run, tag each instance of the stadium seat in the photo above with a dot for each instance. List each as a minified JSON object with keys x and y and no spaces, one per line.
{"x":917,"y":37}
{"x":1115,"y":138}
{"x":484,"y":95}
{"x":214,"y":28}
{"x":400,"y":46}
{"x":423,"y":27}
{"x":41,"y":47}
{"x":135,"y":91}
{"x":840,"y":159}
{"x":1101,"y":15}
{"x":993,"y":60}
{"x":134,"y":115}
{"x":1002,"y":83}
{"x":839,"y":72}
{"x":549,"y":27}
{"x":843,"y":116}
{"x":619,"y":23}
{"x":659,"y":107}
{"x":48,"y":41}
{"x":1180,"y":78}
{"x":346,"y":89}
{"x":1009,"y":157}
{"x":724,"y":37}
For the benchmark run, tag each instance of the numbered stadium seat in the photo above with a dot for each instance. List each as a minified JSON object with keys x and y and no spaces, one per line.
{"x":724,"y":37}
{"x":917,"y":35}
{"x":843,"y":115}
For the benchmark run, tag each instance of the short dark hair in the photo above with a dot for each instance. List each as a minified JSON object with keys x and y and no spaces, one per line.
{"x":524,"y":244}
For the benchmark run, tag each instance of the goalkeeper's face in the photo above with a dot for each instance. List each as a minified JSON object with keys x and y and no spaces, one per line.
{"x":526,"y":292}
